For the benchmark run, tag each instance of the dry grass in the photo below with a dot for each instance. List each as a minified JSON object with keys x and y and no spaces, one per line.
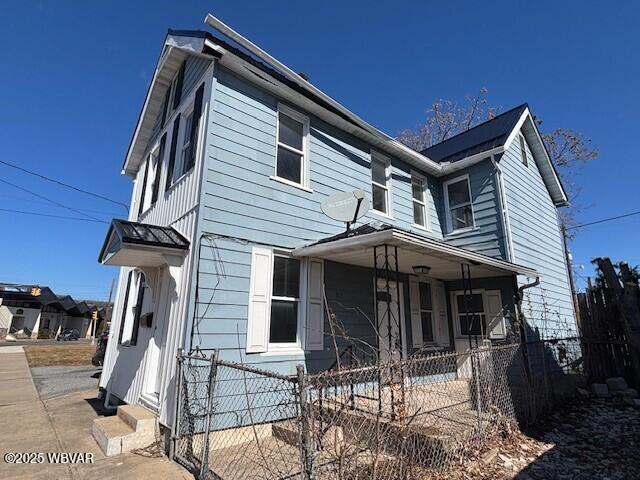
{"x":62,"y":354}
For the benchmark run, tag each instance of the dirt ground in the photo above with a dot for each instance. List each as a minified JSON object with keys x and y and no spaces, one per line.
{"x":62,"y":353}
{"x":595,"y":438}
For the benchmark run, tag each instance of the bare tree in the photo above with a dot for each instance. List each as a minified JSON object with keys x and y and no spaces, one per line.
{"x":568,"y":149}
{"x":446,"y":118}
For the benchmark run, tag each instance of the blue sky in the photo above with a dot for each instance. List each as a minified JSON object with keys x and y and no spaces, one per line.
{"x":75,"y":74}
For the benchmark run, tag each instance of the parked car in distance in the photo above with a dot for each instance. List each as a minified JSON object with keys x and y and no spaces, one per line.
{"x":98,"y":358}
{"x":69,"y":334}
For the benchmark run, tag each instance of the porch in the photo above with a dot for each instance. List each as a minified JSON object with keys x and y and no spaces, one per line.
{"x":390,"y":294}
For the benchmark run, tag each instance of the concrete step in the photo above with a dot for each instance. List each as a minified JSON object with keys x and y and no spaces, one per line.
{"x":138,"y":418}
{"x":133,"y":427}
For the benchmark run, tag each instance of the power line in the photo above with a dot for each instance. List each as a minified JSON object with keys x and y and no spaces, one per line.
{"x":38,"y":214}
{"x":49,"y":200}
{"x":608,"y":219}
{"x":53,"y":180}
{"x":36,"y":202}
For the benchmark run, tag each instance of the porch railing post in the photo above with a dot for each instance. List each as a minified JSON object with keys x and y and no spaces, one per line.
{"x":475,"y":371}
{"x":306,"y":447}
{"x":213,"y":370}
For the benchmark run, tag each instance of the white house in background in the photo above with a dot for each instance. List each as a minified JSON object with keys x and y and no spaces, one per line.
{"x":32,"y":311}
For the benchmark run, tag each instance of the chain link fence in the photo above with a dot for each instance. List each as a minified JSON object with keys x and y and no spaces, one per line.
{"x":397,"y":420}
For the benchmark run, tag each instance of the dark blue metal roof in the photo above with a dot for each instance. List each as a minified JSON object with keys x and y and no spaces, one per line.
{"x":485,"y":136}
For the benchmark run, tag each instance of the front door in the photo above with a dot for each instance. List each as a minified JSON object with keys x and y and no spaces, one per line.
{"x":155,"y":350}
{"x":391,"y":327}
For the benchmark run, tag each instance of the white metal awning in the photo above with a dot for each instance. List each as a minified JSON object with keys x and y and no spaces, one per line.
{"x":444,"y":260}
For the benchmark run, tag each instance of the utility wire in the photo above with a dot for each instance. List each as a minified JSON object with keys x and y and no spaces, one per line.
{"x":49,"y":200}
{"x":37,"y":202}
{"x":53,"y":180}
{"x":608,"y":219}
{"x":38,"y":214}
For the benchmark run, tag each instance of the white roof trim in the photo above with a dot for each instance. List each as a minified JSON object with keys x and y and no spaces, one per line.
{"x":394,"y":144}
{"x":561,"y":199}
{"x":452,"y":167}
{"x":376,"y":141}
{"x":393,"y":236}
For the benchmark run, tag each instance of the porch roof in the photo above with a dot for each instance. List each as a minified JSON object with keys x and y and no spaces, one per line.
{"x":140,"y":245}
{"x":443,"y":259}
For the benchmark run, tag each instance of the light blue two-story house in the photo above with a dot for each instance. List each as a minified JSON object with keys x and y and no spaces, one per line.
{"x":227,"y":248}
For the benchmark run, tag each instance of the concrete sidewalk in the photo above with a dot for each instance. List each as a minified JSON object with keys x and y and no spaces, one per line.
{"x":60,"y":424}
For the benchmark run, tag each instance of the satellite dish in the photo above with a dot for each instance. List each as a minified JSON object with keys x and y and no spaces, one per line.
{"x":346,"y":206}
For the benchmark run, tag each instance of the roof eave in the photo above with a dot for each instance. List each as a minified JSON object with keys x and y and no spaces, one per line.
{"x":176,"y":41}
{"x":361,"y":130}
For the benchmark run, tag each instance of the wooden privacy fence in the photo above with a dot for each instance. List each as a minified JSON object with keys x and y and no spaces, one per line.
{"x":609,"y":318}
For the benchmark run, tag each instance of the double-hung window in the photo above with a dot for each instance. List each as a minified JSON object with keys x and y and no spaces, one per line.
{"x":182,"y":164}
{"x":472,"y":318}
{"x":523,"y":151}
{"x":380,"y":185}
{"x":285,"y":300}
{"x":292,"y":158}
{"x":458,"y":204}
{"x":419,"y":204}
{"x":426,"y":312}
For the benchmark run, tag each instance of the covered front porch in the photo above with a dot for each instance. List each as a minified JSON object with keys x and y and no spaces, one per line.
{"x":391,"y":294}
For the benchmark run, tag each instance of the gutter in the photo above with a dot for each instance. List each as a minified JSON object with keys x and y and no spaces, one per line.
{"x":391,"y":143}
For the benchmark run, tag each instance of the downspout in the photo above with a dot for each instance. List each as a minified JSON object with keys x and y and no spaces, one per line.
{"x":503,"y":211}
{"x":523,"y":332}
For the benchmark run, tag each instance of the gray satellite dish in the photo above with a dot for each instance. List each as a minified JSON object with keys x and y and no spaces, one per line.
{"x":346,"y":206}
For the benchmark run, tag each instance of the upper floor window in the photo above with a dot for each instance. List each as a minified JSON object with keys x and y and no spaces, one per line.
{"x":523,"y":151}
{"x":380,"y":185}
{"x":185,"y":149}
{"x":418,"y":186}
{"x":291,"y":158}
{"x":458,"y":204}
{"x":285,"y":300}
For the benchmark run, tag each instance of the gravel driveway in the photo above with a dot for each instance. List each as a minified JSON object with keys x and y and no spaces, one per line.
{"x":54,"y":381}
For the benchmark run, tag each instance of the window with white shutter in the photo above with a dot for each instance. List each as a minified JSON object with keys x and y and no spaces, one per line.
{"x":495,"y":316}
{"x":315,"y":308}
{"x":259,"y":300}
{"x":422,"y":315}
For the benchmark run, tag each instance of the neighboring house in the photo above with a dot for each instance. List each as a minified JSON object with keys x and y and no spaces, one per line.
{"x":37,"y":312}
{"x":226,"y":246}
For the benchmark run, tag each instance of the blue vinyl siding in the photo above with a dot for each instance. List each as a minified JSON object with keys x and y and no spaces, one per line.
{"x":537,"y":243}
{"x":488,"y":235}
{"x":240,"y":200}
{"x":241,"y":206}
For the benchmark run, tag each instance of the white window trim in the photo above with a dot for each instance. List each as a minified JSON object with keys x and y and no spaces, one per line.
{"x":524,"y":156}
{"x":179,"y":161}
{"x":424,"y":203}
{"x":448,"y":219}
{"x":298,"y":345}
{"x":433,"y":342}
{"x":305,"y":166}
{"x":155,"y":151}
{"x":377,"y":156}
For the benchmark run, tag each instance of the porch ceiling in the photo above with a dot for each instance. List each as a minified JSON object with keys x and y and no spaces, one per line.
{"x":413,"y":250}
